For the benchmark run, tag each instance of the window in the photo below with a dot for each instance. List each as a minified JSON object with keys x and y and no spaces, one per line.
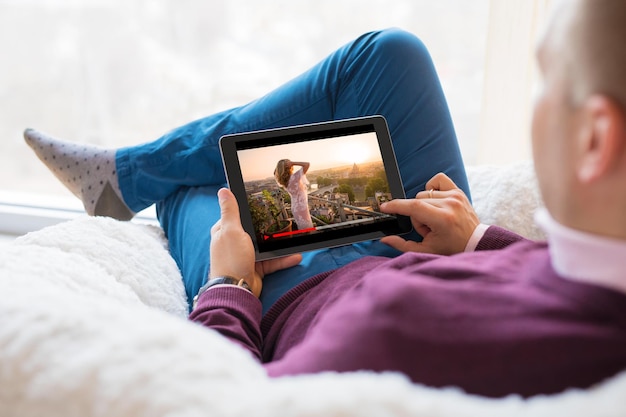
{"x":117,"y":72}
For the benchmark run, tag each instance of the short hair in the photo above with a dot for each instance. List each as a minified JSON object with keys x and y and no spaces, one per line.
{"x":597,"y":42}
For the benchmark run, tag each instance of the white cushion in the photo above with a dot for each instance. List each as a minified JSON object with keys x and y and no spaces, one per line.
{"x":93,"y":323}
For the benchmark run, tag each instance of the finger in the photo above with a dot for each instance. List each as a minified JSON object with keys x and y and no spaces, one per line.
{"x":418,"y":210}
{"x":277,"y":264}
{"x":401,"y":206}
{"x":403,"y":245}
{"x":229,"y":208}
{"x":424,"y":214}
{"x":441,"y":182}
{"x":429,"y":193}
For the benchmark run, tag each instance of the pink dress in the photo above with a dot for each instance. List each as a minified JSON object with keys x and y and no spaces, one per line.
{"x":299,"y":200}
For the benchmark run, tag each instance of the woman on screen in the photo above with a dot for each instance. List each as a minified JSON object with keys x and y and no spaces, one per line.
{"x":295,"y":184}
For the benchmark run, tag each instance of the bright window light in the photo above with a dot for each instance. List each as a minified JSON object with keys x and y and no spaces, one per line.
{"x":119,"y":72}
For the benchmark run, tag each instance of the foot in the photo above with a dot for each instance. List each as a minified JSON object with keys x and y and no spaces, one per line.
{"x":87,"y":171}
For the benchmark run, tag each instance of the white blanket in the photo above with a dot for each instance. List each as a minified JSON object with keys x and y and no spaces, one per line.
{"x":93,"y":323}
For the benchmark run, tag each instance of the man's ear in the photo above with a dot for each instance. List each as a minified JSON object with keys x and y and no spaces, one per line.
{"x":604,"y":140}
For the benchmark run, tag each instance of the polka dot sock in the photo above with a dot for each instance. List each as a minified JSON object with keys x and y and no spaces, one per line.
{"x":87,"y":171}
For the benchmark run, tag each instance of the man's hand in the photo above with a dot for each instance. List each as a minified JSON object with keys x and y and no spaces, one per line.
{"x":232,"y":252}
{"x":442,"y":215}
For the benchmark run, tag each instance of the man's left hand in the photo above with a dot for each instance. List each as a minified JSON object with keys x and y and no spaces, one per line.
{"x":442,"y":214}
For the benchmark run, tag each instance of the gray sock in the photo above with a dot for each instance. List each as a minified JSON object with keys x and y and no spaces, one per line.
{"x":87,"y":171}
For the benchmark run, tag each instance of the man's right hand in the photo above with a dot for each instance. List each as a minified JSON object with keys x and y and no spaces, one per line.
{"x":442,"y":215}
{"x":232,"y":252}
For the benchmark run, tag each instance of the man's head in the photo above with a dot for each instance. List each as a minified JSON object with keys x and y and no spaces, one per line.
{"x":579,"y":123}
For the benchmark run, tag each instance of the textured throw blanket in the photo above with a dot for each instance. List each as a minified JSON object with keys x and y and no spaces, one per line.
{"x":93,"y":323}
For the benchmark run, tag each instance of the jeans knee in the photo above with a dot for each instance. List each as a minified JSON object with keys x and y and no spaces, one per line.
{"x":398,"y":43}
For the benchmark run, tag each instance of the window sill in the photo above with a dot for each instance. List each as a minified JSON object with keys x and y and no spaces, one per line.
{"x":21,"y":213}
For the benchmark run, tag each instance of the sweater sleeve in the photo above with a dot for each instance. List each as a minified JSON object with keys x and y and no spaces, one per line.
{"x":234,"y":313}
{"x":497,"y":238}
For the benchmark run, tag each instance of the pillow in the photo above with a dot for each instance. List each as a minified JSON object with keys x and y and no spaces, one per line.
{"x":93,"y":323}
{"x":133,"y":255}
{"x":507,"y":196}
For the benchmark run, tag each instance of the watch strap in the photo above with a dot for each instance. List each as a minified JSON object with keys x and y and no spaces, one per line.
{"x":224,"y":280}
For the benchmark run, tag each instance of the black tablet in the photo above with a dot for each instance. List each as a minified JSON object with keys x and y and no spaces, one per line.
{"x":314,"y":186}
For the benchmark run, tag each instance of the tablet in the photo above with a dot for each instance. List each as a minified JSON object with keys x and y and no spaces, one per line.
{"x":307,"y":187}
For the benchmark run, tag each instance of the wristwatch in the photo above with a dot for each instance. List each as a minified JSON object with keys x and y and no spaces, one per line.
{"x":227,"y":280}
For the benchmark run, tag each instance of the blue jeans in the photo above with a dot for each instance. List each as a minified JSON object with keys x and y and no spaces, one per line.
{"x":388,"y":73}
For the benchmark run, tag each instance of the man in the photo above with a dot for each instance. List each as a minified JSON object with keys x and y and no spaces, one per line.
{"x":528,"y":318}
{"x":470,"y":306}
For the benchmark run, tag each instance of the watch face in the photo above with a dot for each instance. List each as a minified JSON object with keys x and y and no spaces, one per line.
{"x":220,"y":281}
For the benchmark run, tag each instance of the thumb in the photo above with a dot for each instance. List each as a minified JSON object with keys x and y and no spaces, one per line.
{"x":229,"y":208}
{"x":441,"y":182}
{"x":402,"y":245}
{"x":277,"y":264}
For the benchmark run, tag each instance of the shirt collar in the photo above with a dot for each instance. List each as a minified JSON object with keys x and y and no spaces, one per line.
{"x":584,"y":256}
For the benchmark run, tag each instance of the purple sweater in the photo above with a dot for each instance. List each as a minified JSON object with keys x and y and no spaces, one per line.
{"x":490,"y":322}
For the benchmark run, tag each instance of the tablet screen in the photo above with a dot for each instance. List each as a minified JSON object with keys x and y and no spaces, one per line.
{"x":307,"y":187}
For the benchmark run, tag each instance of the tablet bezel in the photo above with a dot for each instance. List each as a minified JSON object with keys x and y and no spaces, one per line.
{"x":231,"y":144}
